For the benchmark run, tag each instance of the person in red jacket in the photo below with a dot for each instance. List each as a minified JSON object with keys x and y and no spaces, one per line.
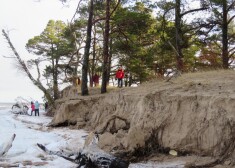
{"x":32,"y":108}
{"x":95,"y":79}
{"x":120,"y":76}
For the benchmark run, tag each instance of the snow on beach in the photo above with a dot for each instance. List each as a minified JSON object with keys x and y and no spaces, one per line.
{"x":31,"y":130}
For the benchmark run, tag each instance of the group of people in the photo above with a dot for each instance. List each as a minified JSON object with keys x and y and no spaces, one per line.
{"x":35,"y":108}
{"x":95,"y":78}
{"x":119,"y":76}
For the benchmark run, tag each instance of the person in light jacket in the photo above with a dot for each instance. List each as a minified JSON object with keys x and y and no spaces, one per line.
{"x":36,"y":108}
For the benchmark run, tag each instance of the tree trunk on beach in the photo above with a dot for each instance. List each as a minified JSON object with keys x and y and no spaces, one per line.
{"x":4,"y":148}
{"x":91,"y":156}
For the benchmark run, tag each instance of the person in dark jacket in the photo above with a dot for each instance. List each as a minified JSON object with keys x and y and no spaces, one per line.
{"x":95,"y":79}
{"x":46,"y":106}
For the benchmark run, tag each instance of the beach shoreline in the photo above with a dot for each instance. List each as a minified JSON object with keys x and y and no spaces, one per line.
{"x":31,"y":130}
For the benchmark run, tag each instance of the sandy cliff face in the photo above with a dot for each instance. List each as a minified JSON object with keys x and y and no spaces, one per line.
{"x":194,"y":113}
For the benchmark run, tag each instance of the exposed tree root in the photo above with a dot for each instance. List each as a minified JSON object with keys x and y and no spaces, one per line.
{"x":175,"y":75}
{"x":90,"y":157}
{"x":153,"y":145}
{"x":225,"y":155}
{"x":64,"y":124}
{"x":113,"y":127}
{"x":216,"y":161}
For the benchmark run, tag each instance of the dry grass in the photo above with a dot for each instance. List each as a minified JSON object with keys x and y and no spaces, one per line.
{"x":215,"y":76}
{"x":209,"y":77}
{"x":97,"y":90}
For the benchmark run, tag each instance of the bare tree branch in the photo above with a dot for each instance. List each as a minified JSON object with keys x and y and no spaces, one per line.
{"x":231,"y":19}
{"x":193,"y":10}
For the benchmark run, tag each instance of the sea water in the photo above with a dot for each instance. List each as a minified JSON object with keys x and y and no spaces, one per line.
{"x":5,"y":106}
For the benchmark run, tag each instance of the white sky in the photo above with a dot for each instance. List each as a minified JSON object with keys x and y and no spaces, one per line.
{"x":25,"y":19}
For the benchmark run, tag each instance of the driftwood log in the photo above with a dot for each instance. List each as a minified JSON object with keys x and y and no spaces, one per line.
{"x":90,"y":156}
{"x":4,"y":148}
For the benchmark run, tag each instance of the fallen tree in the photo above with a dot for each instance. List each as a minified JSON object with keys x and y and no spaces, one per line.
{"x":24,"y":68}
{"x":90,"y":156}
{"x":18,"y":108}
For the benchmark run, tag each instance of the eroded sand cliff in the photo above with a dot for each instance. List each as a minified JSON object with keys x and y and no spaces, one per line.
{"x":193,"y":114}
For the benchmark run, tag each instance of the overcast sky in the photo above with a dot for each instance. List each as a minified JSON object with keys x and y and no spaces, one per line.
{"x":25,"y":19}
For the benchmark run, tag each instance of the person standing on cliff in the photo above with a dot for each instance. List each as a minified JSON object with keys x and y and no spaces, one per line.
{"x":95,"y":79}
{"x":120,"y":76}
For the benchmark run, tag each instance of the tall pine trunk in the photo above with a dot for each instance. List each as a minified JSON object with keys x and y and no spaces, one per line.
{"x":93,"y":59}
{"x":55,"y":81}
{"x":85,"y":65}
{"x":106,"y":49}
{"x":178,"y":37}
{"x":225,"y":56}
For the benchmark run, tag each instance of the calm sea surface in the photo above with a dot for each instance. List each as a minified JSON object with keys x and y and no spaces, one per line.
{"x":4,"y":106}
